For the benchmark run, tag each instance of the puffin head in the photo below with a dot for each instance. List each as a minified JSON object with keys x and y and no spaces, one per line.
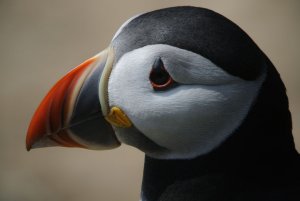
{"x":175,"y":83}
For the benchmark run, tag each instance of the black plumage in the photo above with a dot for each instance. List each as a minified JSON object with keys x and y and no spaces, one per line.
{"x":198,"y":30}
{"x":257,"y":163}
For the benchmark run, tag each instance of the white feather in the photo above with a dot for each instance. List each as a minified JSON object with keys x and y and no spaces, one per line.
{"x":191,"y":119}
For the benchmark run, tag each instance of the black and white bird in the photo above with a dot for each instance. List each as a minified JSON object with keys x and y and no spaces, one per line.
{"x":190,"y":89}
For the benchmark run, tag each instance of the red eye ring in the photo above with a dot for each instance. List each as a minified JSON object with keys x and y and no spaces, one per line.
{"x":159,"y":77}
{"x":162,"y":86}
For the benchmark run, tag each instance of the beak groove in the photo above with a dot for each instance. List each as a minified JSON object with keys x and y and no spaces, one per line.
{"x":53,"y":120}
{"x":52,"y":114}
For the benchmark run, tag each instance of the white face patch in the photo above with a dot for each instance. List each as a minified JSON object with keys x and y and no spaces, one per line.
{"x":190,"y":119}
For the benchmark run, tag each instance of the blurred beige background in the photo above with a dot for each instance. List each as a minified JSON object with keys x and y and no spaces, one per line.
{"x":41,"y":40}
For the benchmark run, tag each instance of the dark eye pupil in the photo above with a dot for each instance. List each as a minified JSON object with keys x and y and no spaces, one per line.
{"x":159,"y":78}
{"x":159,"y":75}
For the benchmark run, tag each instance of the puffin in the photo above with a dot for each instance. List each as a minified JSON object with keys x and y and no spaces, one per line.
{"x":190,"y":89}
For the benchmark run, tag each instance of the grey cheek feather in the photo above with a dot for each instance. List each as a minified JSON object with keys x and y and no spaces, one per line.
{"x":191,"y":119}
{"x":134,"y":137}
{"x":190,"y":68}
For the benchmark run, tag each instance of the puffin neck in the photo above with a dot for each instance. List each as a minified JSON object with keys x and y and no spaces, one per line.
{"x":261,"y":147}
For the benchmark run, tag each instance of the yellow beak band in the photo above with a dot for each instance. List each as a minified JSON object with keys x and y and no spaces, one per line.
{"x":118,"y":118}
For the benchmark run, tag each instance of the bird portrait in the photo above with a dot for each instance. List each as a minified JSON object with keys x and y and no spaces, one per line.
{"x":191,"y":90}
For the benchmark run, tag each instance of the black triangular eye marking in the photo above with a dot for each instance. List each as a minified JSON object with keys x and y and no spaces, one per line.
{"x":159,"y":77}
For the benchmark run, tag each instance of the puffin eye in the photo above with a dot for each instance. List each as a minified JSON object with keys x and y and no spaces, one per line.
{"x":160,"y":79}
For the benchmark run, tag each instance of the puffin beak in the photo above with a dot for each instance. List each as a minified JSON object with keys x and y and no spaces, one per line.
{"x":72,"y":113}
